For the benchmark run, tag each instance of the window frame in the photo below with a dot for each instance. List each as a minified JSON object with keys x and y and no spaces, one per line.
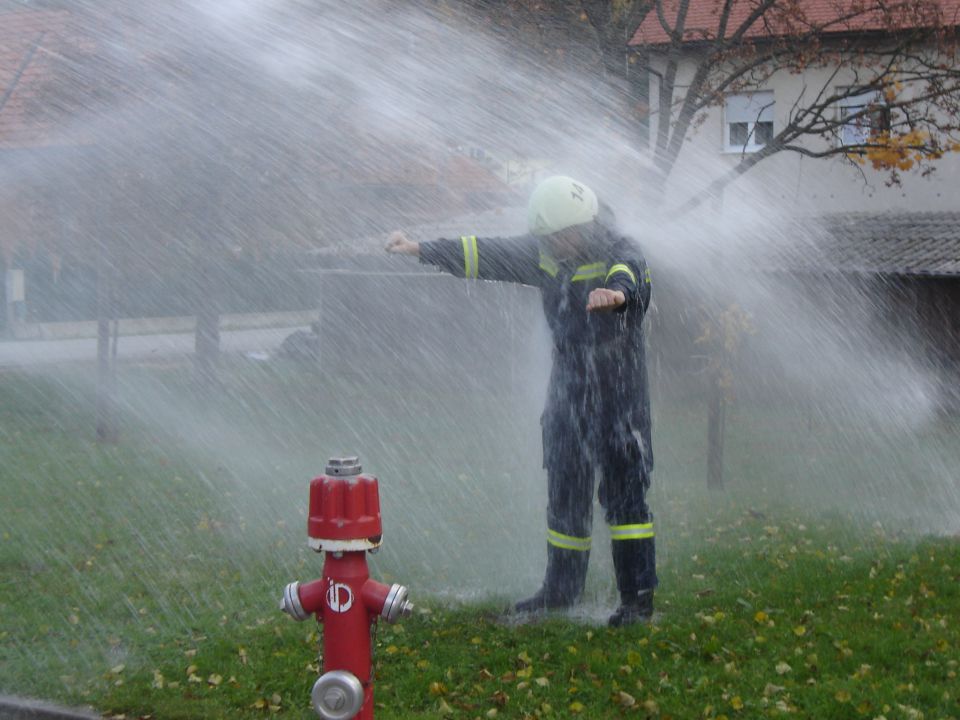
{"x":862,"y":100}
{"x":764,"y":108}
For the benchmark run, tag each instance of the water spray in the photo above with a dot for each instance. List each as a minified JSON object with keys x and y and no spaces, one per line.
{"x":344,"y":523}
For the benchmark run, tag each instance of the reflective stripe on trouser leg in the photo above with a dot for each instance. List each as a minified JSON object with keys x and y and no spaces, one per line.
{"x":568,"y":542}
{"x":638,"y":531}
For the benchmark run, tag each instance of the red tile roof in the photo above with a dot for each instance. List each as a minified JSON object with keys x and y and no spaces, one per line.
{"x":30,"y":42}
{"x":783,"y":19}
{"x":464,"y":174}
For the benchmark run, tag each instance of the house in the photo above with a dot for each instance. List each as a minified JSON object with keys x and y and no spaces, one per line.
{"x":880,"y":260}
{"x":32,"y":132}
{"x":109,"y":138}
{"x":749,"y":113}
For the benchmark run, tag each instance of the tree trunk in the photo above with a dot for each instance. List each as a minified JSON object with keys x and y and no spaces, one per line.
{"x":106,"y":404}
{"x":716,"y":417}
{"x":629,"y":87}
{"x":207,"y":344}
{"x":206,"y":356}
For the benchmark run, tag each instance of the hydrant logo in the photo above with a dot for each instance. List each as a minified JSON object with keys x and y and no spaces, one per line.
{"x":339,"y":597}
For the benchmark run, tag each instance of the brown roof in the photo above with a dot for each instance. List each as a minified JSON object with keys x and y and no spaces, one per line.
{"x":921,"y":243}
{"x":30,"y":43}
{"x":464,"y":174}
{"x":829,"y":16}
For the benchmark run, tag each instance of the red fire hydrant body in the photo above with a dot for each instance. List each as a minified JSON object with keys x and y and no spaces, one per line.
{"x":345,"y":523}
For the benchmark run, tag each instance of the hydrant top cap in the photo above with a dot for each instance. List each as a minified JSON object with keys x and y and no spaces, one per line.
{"x":341,"y":466}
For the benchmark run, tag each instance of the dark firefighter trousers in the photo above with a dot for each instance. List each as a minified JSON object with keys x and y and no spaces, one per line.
{"x":572,"y":457}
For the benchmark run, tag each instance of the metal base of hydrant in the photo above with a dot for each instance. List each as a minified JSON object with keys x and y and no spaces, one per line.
{"x":337,"y":695}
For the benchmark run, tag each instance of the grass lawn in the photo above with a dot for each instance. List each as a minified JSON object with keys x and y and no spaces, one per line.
{"x":143,"y":578}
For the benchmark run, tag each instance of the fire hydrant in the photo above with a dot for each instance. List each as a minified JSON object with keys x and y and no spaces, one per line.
{"x":344,"y":523}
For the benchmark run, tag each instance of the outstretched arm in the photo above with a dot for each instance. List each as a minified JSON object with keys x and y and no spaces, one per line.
{"x":507,"y":259}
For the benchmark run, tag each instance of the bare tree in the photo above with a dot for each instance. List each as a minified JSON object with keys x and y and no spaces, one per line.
{"x":888,"y":68}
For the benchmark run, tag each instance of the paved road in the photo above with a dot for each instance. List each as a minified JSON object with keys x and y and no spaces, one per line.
{"x":30,"y":353}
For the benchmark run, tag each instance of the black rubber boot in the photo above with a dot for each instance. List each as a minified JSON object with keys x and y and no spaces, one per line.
{"x":634,"y":608}
{"x":634,"y":564}
{"x":563,"y":583}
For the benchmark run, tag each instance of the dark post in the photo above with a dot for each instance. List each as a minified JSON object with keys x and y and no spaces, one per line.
{"x":207,"y":290}
{"x":107,"y":431}
{"x":716,"y":415}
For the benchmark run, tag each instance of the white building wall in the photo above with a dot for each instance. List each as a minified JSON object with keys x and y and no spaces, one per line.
{"x":802,"y":185}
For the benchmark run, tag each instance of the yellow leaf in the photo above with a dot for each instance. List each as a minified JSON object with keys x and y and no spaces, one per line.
{"x":542,"y":681}
{"x":117,"y":669}
{"x":214,"y":679}
{"x":438,"y":688}
{"x":525,"y":658}
{"x":736,"y":703}
{"x":783,"y":668}
{"x":577,"y":707}
{"x":525,"y":672}
{"x":626,"y":699}
{"x":259,"y":704}
{"x":242,"y":653}
{"x":800,"y":630}
{"x":760,"y":617}
{"x":842,"y":696}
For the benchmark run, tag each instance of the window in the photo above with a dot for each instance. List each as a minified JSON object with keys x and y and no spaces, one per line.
{"x":859,"y":130}
{"x":748,"y":121}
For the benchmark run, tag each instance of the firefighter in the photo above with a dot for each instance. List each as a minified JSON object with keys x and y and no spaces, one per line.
{"x":595,"y":288}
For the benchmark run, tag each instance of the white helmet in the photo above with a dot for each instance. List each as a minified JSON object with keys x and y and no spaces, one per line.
{"x":560,"y":202}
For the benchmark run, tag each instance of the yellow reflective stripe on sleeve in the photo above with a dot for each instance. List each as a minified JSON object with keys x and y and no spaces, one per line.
{"x":589,"y":272}
{"x":631,"y":532}
{"x":567,"y":542}
{"x":646,"y":276}
{"x":548,"y":265}
{"x":621,"y":268}
{"x":471,"y":265}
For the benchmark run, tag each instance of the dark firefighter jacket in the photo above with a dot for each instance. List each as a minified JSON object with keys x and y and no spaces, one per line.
{"x":598,"y":388}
